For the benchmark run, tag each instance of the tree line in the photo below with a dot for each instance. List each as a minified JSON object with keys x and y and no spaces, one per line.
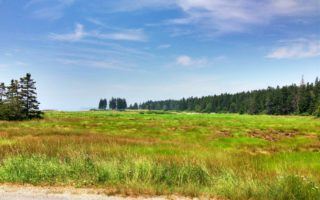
{"x":114,"y":104}
{"x":18,"y":100}
{"x":293,"y":99}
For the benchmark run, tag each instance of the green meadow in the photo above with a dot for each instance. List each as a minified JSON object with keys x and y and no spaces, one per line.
{"x":227,"y":156}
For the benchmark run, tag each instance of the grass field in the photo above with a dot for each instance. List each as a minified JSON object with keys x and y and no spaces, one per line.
{"x":220,"y":155}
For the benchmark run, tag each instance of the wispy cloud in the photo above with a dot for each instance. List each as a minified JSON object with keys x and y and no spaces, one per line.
{"x":79,"y":33}
{"x":13,"y":64}
{"x":95,"y":21}
{"x":299,"y":48}
{"x":185,"y":60}
{"x":128,"y":35}
{"x":45,"y":9}
{"x":225,"y":16}
{"x":103,"y":64}
{"x":164,"y":46}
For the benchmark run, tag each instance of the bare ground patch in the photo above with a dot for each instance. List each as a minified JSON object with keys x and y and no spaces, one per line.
{"x":273,"y":135}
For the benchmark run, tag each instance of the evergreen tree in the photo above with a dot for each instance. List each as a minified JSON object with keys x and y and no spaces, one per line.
{"x":102,"y":104}
{"x":293,"y":99}
{"x":121,"y":104}
{"x":135,"y":106}
{"x":28,"y":96}
{"x":113,"y":104}
{"x":2,"y":92}
{"x":13,"y":108}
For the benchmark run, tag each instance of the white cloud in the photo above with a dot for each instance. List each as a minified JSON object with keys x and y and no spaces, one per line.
{"x":51,"y":10}
{"x":164,"y":46}
{"x":184,"y":60}
{"x":225,"y":16}
{"x":95,"y":63}
{"x":300,"y":48}
{"x":79,"y":33}
{"x":188,"y":61}
{"x":128,"y":35}
{"x":95,"y":21}
{"x":237,"y":16}
{"x":14,"y":64}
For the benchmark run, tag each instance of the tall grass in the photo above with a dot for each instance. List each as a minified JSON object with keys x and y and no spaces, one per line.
{"x":227,"y":156}
{"x":154,"y":177}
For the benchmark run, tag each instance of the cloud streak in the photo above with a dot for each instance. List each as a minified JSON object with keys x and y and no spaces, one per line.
{"x":187,"y":61}
{"x":55,"y":10}
{"x":300,"y":48}
{"x":102,"y":64}
{"x":227,"y":16}
{"x":78,"y":34}
{"x":136,"y":35}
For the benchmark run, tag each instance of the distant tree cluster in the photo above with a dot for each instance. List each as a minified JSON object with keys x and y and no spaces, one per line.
{"x":18,"y":101}
{"x":134,"y":106}
{"x":114,"y":104}
{"x":103,"y":104}
{"x":293,"y":99}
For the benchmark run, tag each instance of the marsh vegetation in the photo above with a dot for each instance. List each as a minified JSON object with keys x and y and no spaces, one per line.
{"x":222,"y":155}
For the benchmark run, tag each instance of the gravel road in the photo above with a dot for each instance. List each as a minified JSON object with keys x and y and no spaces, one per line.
{"x":11,"y":192}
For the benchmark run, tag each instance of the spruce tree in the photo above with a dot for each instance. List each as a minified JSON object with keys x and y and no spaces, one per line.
{"x":104,"y":104}
{"x":99,"y":106}
{"x":113,"y":103}
{"x":2,"y":92}
{"x":135,"y":106}
{"x":13,"y":102}
{"x":28,"y":95}
{"x":3,"y":110}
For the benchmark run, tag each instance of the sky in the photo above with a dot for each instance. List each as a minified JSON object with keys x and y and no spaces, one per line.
{"x":79,"y":51}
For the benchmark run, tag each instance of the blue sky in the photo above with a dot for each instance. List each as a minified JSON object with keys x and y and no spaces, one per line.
{"x":80,"y":51}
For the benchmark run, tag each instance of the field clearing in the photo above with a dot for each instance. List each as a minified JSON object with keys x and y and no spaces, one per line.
{"x":220,"y":155}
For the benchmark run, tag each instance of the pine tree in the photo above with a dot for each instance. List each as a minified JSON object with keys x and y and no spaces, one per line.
{"x":3,"y":107}
{"x":28,"y":95}
{"x":13,"y":102}
{"x":104,"y":104}
{"x":113,"y":103}
{"x":2,"y":92}
{"x":100,"y":104}
{"x":135,"y":106}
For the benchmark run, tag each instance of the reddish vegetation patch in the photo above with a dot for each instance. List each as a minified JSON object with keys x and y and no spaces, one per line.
{"x":272,"y":135}
{"x":315,"y":147}
{"x":89,"y":138}
{"x":3,"y":134}
{"x":220,"y":134}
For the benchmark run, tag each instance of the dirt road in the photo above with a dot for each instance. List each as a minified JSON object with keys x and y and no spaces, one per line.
{"x":10,"y":192}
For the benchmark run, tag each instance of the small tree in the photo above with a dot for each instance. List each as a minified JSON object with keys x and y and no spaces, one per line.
{"x":28,"y":95}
